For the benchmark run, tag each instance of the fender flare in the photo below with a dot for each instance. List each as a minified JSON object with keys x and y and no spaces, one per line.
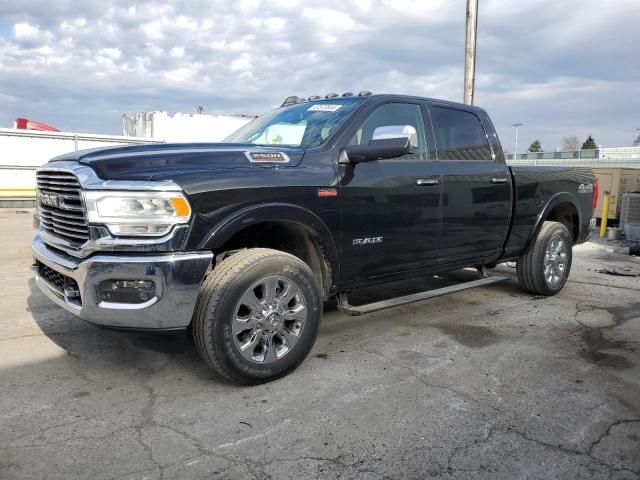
{"x":274,"y":212}
{"x":553,"y":202}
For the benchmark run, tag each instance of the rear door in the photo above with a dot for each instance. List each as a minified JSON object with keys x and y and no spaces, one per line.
{"x":390,"y":209}
{"x":476,"y":185}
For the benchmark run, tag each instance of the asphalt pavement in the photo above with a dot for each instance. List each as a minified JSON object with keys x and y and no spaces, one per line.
{"x":490,"y":383}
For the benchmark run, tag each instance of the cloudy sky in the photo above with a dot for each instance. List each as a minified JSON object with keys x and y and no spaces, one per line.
{"x":569,"y":67}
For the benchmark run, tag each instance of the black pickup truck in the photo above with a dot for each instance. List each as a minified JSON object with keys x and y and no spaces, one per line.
{"x":243,"y":241}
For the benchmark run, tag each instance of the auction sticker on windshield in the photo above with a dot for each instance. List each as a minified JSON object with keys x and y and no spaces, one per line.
{"x":323,"y":107}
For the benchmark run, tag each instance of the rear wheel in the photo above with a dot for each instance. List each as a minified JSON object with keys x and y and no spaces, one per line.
{"x":544,"y":269}
{"x":257,"y":315}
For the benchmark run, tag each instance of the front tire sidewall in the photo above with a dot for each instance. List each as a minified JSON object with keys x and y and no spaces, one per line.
{"x":222,"y":336}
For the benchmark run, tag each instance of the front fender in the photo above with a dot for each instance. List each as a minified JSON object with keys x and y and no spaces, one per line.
{"x":272,"y":212}
{"x":553,"y":202}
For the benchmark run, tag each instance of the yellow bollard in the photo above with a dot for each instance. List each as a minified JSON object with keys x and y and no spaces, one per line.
{"x":605,"y":214}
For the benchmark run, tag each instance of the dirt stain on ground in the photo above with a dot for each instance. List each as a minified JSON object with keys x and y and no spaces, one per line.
{"x":608,"y":352}
{"x":596,"y":342}
{"x":472,"y":336}
{"x":623,"y":314}
{"x":411,"y":355}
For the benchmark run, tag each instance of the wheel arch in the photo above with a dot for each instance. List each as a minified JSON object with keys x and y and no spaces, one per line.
{"x":561,"y":207}
{"x":302,"y":233}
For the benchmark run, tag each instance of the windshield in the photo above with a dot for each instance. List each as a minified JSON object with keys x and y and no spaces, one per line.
{"x":302,"y":125}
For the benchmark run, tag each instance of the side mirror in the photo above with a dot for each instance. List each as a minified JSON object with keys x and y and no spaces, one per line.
{"x":397,"y":131}
{"x":377,"y":150}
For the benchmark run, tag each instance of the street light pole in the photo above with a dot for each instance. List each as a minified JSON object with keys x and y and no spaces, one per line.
{"x":470,"y":51}
{"x":515,"y":147}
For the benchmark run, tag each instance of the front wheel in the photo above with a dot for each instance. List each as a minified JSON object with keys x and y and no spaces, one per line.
{"x":544,"y":269}
{"x":257,"y":315}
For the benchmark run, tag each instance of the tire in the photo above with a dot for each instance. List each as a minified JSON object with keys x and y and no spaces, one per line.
{"x":246,"y":327}
{"x":545,"y":268}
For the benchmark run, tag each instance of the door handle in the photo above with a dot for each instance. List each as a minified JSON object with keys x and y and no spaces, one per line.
{"x":499,"y":180}
{"x":425,"y":182}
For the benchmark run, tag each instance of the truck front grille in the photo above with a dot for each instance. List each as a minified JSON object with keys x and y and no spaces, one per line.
{"x":60,"y":206}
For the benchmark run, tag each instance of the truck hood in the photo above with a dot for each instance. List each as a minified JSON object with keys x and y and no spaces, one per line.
{"x":167,"y":160}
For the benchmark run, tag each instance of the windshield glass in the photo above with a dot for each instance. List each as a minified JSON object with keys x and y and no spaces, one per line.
{"x":302,"y":125}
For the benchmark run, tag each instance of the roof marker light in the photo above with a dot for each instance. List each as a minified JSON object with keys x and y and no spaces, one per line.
{"x":292,"y":100}
{"x":347,"y":94}
{"x":331,"y":95}
{"x":364,"y":93}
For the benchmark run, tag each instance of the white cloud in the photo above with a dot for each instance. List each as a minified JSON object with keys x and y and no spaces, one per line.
{"x":570,"y":72}
{"x":25,"y":33}
{"x":177,"y":52}
{"x":112,"y":53}
{"x":153,"y":30}
{"x":242,"y":63}
{"x":70,"y":25}
{"x":286,"y":3}
{"x":187,"y":23}
{"x":275,"y":24}
{"x":329,"y":18}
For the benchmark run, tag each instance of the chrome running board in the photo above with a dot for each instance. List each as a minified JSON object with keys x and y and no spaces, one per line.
{"x":344,"y":306}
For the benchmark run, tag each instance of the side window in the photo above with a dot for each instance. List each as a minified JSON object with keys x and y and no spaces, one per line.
{"x":394,"y":120}
{"x":460,"y":136}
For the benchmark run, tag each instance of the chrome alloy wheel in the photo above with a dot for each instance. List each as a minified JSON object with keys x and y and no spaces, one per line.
{"x":555,"y":261}
{"x":269,"y":319}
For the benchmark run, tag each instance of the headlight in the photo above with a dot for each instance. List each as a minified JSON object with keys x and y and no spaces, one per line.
{"x":136,"y":213}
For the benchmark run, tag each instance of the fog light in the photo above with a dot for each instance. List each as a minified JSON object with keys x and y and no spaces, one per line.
{"x":126,"y":291}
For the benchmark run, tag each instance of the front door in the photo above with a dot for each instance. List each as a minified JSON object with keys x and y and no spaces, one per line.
{"x":476,"y":186}
{"x":390,"y":209}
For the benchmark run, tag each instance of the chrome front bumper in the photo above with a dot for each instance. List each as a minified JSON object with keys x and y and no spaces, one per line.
{"x":177,"y":277}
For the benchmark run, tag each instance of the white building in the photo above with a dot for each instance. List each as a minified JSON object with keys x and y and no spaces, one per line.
{"x":182,"y":127}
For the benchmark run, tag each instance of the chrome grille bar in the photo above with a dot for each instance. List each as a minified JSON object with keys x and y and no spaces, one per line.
{"x":62,"y":215}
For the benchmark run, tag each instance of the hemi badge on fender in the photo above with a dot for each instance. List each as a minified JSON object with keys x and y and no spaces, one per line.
{"x":267,"y":157}
{"x":327,"y":192}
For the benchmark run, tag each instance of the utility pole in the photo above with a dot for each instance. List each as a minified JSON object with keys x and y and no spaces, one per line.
{"x":470,"y":51}
{"x":515,"y":146}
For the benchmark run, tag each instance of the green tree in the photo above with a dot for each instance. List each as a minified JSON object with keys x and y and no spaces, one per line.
{"x":589,"y":144}
{"x":535,"y":146}
{"x":636,"y":142}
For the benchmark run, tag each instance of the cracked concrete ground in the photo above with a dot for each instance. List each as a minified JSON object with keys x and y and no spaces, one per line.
{"x":489,"y":383}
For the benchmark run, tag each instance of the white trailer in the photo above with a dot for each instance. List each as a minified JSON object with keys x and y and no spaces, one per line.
{"x":23,"y":151}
